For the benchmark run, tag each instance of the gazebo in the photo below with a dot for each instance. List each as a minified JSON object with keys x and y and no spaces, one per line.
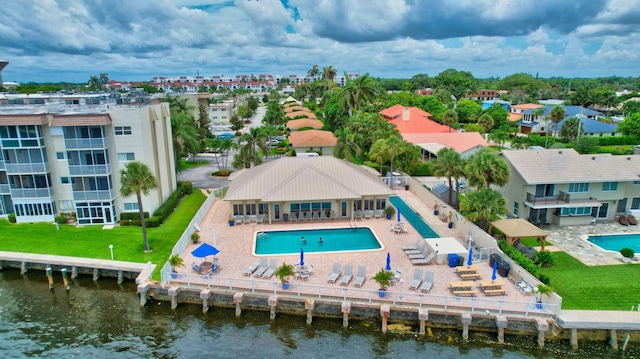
{"x":517,"y":228}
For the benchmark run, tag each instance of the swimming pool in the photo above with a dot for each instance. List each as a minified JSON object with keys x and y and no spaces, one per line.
{"x":615,"y":242}
{"x":413,"y":218}
{"x":333,"y":240}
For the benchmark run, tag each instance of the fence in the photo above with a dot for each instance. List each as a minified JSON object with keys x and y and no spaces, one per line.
{"x":397,"y":297}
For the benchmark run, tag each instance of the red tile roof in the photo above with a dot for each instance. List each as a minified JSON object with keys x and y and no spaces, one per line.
{"x":459,"y":141}
{"x":412,"y":120}
{"x":312,"y":138}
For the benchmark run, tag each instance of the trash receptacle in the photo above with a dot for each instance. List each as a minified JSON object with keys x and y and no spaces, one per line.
{"x":453,"y":260}
{"x":406,"y":187}
{"x":503,"y":269}
{"x":495,"y":257}
{"x":460,"y":261}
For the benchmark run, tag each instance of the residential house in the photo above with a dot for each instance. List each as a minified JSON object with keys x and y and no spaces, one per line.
{"x":516,"y":111}
{"x":295,"y":125}
{"x":297,"y":185}
{"x":465,"y":143}
{"x":563,"y":187}
{"x":313,"y":140}
{"x":487,"y":104}
{"x":60,"y":157}
{"x":532,"y":122}
{"x":412,"y":120}
{"x":483,"y":95}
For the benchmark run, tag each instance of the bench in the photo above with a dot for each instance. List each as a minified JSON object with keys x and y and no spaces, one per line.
{"x":471,"y":293}
{"x":495,"y":291}
{"x":470,"y":276}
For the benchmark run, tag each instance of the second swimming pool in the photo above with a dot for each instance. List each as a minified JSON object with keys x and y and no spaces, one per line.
{"x":615,"y":242}
{"x":333,"y":240}
{"x":413,"y":218}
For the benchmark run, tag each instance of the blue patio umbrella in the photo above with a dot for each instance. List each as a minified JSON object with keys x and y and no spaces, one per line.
{"x":301,"y":256}
{"x":470,"y":260}
{"x":398,"y":215}
{"x":495,"y":269}
{"x":388,"y":267}
{"x":205,"y":250}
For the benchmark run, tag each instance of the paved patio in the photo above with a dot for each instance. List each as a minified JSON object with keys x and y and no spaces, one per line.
{"x":235,"y":245}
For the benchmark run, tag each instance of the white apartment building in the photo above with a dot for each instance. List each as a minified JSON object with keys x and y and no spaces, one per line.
{"x":57,"y":157}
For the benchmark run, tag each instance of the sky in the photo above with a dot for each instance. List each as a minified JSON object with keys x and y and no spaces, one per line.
{"x":135,"y":40}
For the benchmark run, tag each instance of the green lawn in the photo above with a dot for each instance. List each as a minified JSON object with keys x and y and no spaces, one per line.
{"x":615,"y":287}
{"x":533,"y":242}
{"x":183,"y":164}
{"x":93,"y":241}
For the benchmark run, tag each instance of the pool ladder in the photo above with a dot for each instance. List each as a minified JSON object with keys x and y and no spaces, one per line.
{"x":353,"y":224}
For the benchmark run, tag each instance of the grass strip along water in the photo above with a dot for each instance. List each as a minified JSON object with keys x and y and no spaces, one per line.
{"x":93,"y":241}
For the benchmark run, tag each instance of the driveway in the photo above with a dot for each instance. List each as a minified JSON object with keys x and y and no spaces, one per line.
{"x":201,"y":177}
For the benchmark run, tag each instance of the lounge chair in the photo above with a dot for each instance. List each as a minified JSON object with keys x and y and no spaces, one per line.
{"x":422,"y":248}
{"x":362,"y":275}
{"x":367,"y":214}
{"x":632,"y":220}
{"x":333,"y":215}
{"x":421,"y":255}
{"x":251,"y":268}
{"x":323,"y":215}
{"x":347,"y":276}
{"x":305,"y":275}
{"x":623,"y":220}
{"x":316,"y":216}
{"x":238,"y":219}
{"x":417,"y":279}
{"x":333,"y":277}
{"x":358,"y":214}
{"x":273,"y":266}
{"x":307,"y":216}
{"x":259,"y":219}
{"x":428,"y":282}
{"x":261,"y":268}
{"x":426,"y":260}
{"x":293,"y":217}
{"x":377,"y":213}
{"x":247,"y":219}
{"x":413,"y":247}
{"x":196,"y":268}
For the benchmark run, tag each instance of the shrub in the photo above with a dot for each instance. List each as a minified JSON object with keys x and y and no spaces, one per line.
{"x":544,"y":259}
{"x":221,"y":173}
{"x":132,"y":215}
{"x":125,"y":222}
{"x":153,"y":222}
{"x":543,"y":278}
{"x":61,"y":219}
{"x":522,"y":260}
{"x":618,"y":140}
{"x":424,"y":169}
{"x":627,"y":252}
{"x":12,"y":217}
{"x":187,"y":187}
{"x":195,"y":237}
{"x":168,"y":206}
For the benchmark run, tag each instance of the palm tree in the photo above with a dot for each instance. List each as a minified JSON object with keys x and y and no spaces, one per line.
{"x":255,"y":138}
{"x":483,"y":206}
{"x":538,"y":114}
{"x":137,"y":178}
{"x":570,"y":128}
{"x":362,"y":88}
{"x":185,"y":135}
{"x":329,"y":73}
{"x":347,"y":144}
{"x":556,"y":115}
{"x":449,"y":118}
{"x":485,"y":168}
{"x":486,"y":121}
{"x":394,"y":146}
{"x":104,"y":78}
{"x":314,"y":71}
{"x":378,"y":152}
{"x":94,"y":82}
{"x":451,"y":165}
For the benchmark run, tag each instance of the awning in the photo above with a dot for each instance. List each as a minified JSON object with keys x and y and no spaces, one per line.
{"x":527,"y":124}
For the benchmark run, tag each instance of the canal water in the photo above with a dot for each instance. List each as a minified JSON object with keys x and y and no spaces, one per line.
{"x":104,"y":320}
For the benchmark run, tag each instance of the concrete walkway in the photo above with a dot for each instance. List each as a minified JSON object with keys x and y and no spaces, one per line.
{"x":599,"y":319}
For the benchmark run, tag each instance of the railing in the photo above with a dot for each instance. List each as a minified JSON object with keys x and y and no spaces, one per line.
{"x":85,"y":143}
{"x":16,"y":168}
{"x":31,"y":192}
{"x":5,"y":189}
{"x":2,"y":165}
{"x":89,"y":170}
{"x":561,"y":198}
{"x":396,"y":297}
{"x":93,"y":195}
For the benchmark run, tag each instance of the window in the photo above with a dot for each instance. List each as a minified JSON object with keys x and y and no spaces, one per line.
{"x":516,"y":206}
{"x":636,"y":183}
{"x":64,"y":180}
{"x":609,"y":186}
{"x":60,"y":155}
{"x":578,"y":211}
{"x":126,"y":156}
{"x":122,"y":130}
{"x":578,"y":187}
{"x":635,"y":203}
{"x":131,"y":206}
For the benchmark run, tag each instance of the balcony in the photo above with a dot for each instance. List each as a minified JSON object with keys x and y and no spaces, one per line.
{"x":89,"y":170}
{"x":5,"y":189}
{"x":81,"y":143}
{"x":2,"y":166}
{"x":24,"y":168}
{"x":106,"y":195}
{"x":562,"y":199}
{"x":31,"y":192}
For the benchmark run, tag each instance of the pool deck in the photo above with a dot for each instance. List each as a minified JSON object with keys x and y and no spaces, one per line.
{"x":573,"y":240}
{"x":235,"y":245}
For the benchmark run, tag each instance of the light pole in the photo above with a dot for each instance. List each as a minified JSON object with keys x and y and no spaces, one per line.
{"x":111,"y":250}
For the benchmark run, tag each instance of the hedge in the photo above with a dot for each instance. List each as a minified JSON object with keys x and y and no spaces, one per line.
{"x":132,"y":215}
{"x":619,"y":140}
{"x":185,"y":187}
{"x":168,"y":206}
{"x":523,"y":261}
{"x":12,"y":217}
{"x":424,"y":169}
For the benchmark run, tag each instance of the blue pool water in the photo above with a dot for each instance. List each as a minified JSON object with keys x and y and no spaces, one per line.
{"x":413,"y":218}
{"x":334,"y":240}
{"x":615,"y":242}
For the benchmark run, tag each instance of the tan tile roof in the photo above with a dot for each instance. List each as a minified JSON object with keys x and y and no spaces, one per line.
{"x":304,"y":122}
{"x":459,"y":141}
{"x":305,"y":179}
{"x":568,"y":166}
{"x":294,"y":108}
{"x":295,"y":114}
{"x":82,"y":120}
{"x":312,"y":138}
{"x":526,"y":106}
{"x":9,"y":120}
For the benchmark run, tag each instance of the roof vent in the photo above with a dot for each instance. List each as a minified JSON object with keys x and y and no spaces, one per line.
{"x":628,"y":158}
{"x":593,"y":158}
{"x":560,"y":152}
